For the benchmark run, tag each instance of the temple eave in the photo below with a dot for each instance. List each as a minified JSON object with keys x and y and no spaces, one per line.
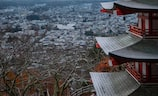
{"x":135,"y":9}
{"x":127,"y":7}
{"x":123,"y":59}
{"x":143,"y":51}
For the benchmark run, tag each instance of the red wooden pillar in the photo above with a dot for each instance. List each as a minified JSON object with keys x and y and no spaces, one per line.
{"x":143,"y":22}
{"x":145,"y":71}
{"x":150,"y":23}
{"x":148,"y":71}
{"x":140,"y":67}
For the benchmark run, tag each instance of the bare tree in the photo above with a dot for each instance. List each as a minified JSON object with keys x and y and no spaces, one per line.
{"x":18,"y":54}
{"x":15,"y":58}
{"x":53,"y":73}
{"x":60,"y":66}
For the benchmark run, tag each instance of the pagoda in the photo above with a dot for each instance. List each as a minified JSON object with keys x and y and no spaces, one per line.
{"x":137,"y":49}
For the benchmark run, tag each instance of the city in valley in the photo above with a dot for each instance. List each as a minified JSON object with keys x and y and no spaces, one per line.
{"x":55,"y":36}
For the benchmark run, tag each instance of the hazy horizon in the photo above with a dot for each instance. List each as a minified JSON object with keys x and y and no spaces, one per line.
{"x":56,"y":0}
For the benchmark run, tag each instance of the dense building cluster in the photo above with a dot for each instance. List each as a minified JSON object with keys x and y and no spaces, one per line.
{"x":63,"y":26}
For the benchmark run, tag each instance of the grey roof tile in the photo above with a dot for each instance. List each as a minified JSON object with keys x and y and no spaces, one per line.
{"x":139,"y":4}
{"x":146,"y":49}
{"x":113,"y":84}
{"x":109,"y":44}
{"x":136,"y":4}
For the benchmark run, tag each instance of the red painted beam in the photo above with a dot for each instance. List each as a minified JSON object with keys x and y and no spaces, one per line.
{"x":106,"y":11}
{"x":121,"y":11}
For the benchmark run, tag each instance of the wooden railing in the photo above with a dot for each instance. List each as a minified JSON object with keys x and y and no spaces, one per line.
{"x":136,"y":30}
{"x":142,"y":78}
{"x":141,"y":32}
{"x":83,"y":90}
{"x":135,"y":74}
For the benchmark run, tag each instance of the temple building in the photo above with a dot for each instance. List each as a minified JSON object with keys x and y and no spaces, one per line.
{"x":137,"y":49}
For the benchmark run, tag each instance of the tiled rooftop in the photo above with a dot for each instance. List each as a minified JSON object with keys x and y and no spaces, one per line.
{"x":113,"y":83}
{"x":144,"y":4}
{"x":109,"y":44}
{"x":146,"y":49}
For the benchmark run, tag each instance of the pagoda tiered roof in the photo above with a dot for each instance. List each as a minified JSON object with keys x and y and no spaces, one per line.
{"x":110,"y":44}
{"x":113,"y":83}
{"x":138,"y":53}
{"x":130,"y":47}
{"x":143,"y":51}
{"x":136,"y":5}
{"x":130,"y":6}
